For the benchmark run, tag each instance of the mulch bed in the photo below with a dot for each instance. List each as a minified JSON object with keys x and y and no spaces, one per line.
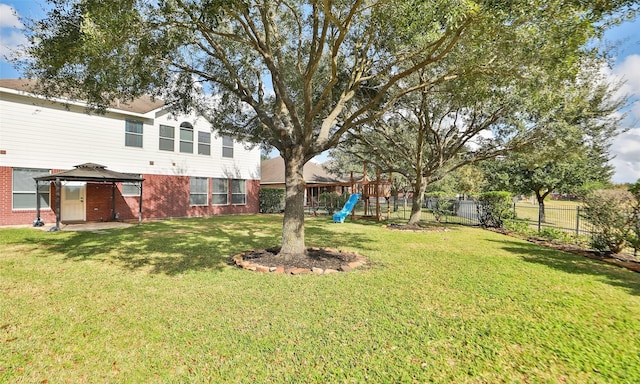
{"x":624,"y":260}
{"x":316,"y":261}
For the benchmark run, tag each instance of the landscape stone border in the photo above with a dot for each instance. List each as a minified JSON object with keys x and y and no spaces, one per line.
{"x":280,"y":269}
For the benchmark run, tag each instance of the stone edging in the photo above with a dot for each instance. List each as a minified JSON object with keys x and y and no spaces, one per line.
{"x":280,"y":269}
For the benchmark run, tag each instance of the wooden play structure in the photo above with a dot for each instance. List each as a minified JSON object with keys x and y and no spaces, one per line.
{"x":372,"y":190}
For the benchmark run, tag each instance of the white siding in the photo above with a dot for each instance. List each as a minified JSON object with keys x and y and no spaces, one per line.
{"x":38,"y":134}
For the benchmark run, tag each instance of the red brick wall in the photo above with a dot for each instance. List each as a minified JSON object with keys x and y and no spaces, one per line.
{"x":8,"y":216}
{"x":168,"y":196}
{"x":163,"y":197}
{"x":99,"y":206}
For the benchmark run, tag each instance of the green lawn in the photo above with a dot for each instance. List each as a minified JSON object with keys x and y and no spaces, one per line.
{"x":159,"y":303}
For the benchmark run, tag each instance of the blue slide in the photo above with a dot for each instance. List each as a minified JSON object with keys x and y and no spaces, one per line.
{"x":339,"y":217}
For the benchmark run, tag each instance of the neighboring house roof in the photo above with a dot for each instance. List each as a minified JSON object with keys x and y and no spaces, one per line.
{"x":272,"y":172}
{"x":91,"y":172}
{"x":140,"y":105}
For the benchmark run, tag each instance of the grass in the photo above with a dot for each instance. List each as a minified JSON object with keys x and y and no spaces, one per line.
{"x":159,"y":303}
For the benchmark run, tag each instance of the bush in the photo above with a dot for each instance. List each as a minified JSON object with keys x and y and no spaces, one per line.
{"x":634,"y":236}
{"x":271,"y":200}
{"x":494,"y":208}
{"x":611,"y":213}
{"x":550,"y":234}
{"x":521,"y":227}
{"x":440,"y":204}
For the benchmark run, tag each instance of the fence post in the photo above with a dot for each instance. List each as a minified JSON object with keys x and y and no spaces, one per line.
{"x":578,"y":220}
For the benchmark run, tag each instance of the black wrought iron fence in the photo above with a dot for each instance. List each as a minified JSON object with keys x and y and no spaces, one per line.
{"x":565,"y":218}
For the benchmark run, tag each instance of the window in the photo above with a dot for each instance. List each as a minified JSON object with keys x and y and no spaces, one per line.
{"x":132,"y":188}
{"x":238,"y":192}
{"x":24,"y":188}
{"x":227,"y":146}
{"x":204,"y":143}
{"x":220,"y":195}
{"x":186,"y":137}
{"x":133,"y":133}
{"x":198,"y":190}
{"x":167,"y":137}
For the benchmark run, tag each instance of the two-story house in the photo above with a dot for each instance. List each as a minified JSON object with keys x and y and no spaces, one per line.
{"x":164,"y":165}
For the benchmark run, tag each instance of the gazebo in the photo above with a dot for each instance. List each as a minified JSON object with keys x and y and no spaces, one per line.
{"x":88,"y":172}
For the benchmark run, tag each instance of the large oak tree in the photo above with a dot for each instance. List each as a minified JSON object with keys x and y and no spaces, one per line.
{"x":295,"y":75}
{"x":573,"y":153}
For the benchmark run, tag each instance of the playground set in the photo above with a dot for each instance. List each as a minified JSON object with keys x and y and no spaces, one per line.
{"x":366,"y":190}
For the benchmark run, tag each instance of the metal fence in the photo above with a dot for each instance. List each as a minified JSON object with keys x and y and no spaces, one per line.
{"x":565,"y":218}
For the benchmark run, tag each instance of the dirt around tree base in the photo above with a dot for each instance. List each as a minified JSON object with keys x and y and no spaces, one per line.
{"x":417,"y":227}
{"x":317,"y":261}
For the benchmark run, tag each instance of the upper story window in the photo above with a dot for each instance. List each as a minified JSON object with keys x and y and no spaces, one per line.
{"x":204,"y":143}
{"x":186,"y":137}
{"x":227,"y":146}
{"x":198,"y":191}
{"x":133,"y":133}
{"x":24,"y":188}
{"x":167,"y":137}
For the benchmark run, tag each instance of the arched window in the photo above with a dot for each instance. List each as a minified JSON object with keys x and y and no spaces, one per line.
{"x":186,"y":137}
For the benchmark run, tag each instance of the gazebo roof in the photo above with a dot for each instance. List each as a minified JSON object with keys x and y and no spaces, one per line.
{"x":91,"y":172}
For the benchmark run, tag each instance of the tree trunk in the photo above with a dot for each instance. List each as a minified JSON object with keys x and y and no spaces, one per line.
{"x":418,"y":197}
{"x":540,"y":198}
{"x":293,"y":222}
{"x":395,"y":200}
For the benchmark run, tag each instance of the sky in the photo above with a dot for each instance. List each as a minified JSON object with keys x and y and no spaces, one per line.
{"x":625,"y":39}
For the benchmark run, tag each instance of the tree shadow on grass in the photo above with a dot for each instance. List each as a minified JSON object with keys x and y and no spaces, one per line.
{"x":575,"y":264}
{"x":177,"y":246}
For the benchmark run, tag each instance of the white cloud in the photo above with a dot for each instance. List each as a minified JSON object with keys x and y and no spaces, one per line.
{"x":626,"y":147}
{"x":629,"y":70}
{"x":11,"y":37}
{"x":9,"y":17}
{"x":11,"y":43}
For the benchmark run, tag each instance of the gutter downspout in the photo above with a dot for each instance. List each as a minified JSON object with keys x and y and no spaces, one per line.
{"x":140,"y":205}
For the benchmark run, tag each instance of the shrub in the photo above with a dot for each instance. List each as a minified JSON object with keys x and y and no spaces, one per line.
{"x":494,"y":208}
{"x":634,"y":236}
{"x":553,"y":234}
{"x":521,"y":227}
{"x":440,"y":204}
{"x":611,"y":213}
{"x":271,"y":200}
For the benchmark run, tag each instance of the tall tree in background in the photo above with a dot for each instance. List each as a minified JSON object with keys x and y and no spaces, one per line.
{"x":433,"y":132}
{"x":574,"y":152}
{"x":296,"y":75}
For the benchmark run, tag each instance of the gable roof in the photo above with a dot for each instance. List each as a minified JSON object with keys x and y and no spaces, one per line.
{"x":141,"y":105}
{"x":272,"y":172}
